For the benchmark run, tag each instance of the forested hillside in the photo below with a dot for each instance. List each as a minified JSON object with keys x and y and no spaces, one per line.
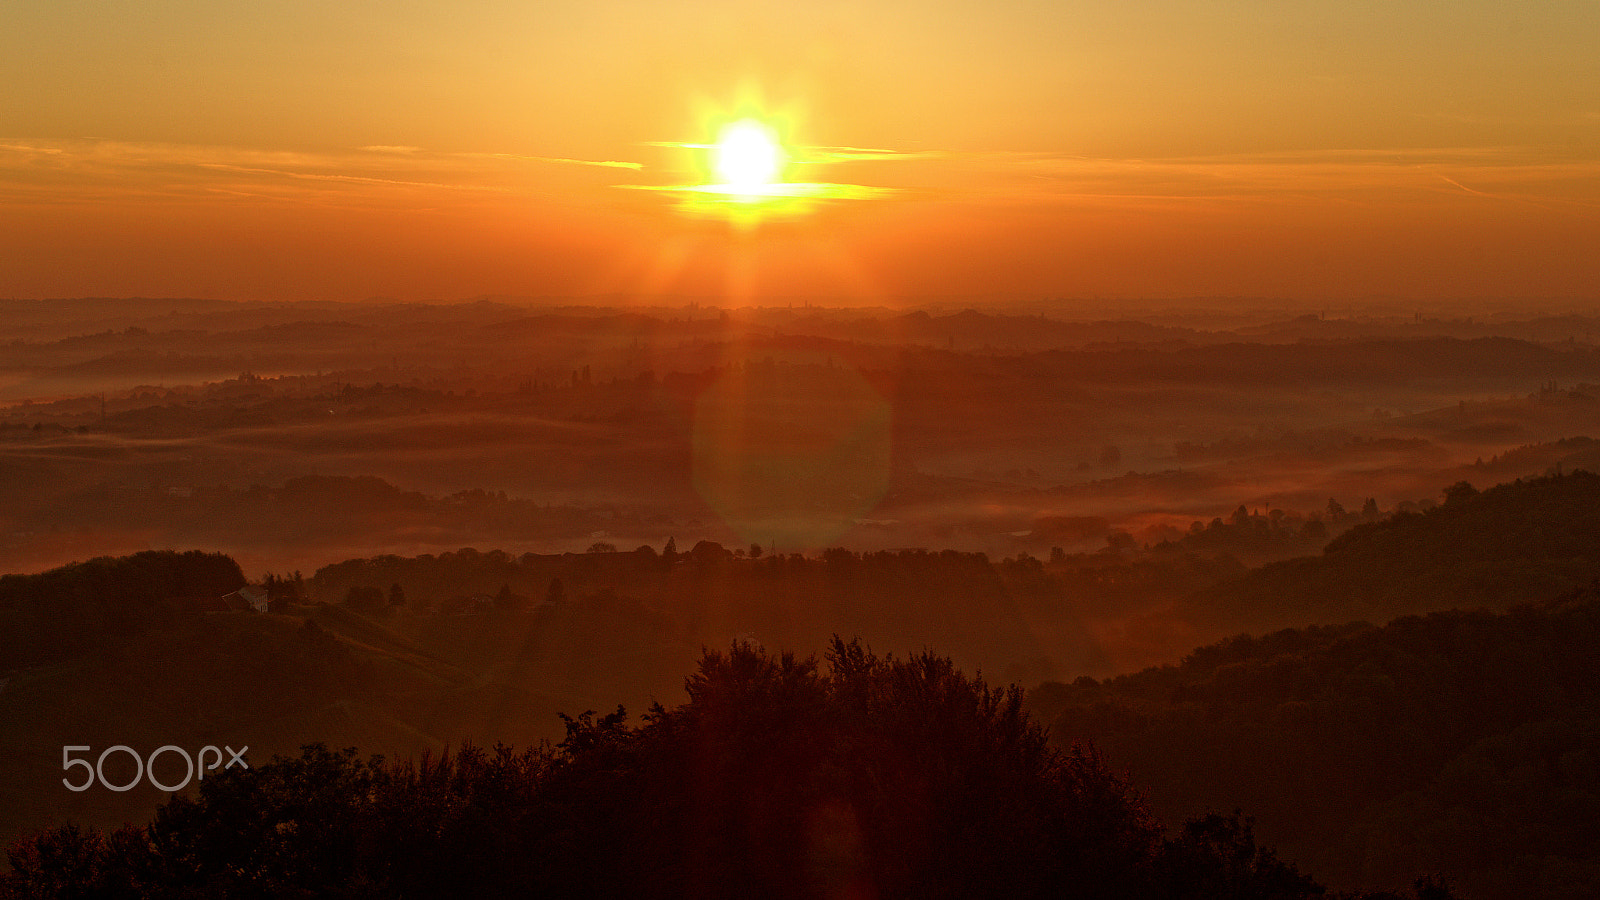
{"x":83,"y":606}
{"x":1525,"y":540}
{"x":1465,"y":742}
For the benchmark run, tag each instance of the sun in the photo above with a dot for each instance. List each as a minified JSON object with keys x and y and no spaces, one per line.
{"x":748,"y":174}
{"x":748,"y":157}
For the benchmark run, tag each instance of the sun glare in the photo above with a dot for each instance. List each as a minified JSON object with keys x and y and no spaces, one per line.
{"x":748,"y":172}
{"x":748,"y":156}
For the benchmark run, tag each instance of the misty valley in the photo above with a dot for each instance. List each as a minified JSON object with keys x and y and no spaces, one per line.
{"x":926,"y":603}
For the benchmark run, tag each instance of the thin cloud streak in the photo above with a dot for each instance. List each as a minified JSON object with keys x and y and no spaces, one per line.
{"x":24,"y":148}
{"x":1360,"y":176}
{"x":103,"y":171}
{"x":355,"y":179}
{"x":519,"y":157}
{"x":1368,"y":176}
{"x":809,"y":190}
{"x":871,"y":154}
{"x":801,"y":155}
{"x":823,"y":154}
{"x":97,"y":171}
{"x":561,"y":160}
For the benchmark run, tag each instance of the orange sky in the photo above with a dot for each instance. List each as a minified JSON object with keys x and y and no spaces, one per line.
{"x":288,"y":150}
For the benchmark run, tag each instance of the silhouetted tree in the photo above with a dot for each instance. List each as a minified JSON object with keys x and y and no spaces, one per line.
{"x":1216,"y":856}
{"x":1460,"y":492}
{"x":1336,"y":513}
{"x":879,"y":777}
{"x":505,"y":598}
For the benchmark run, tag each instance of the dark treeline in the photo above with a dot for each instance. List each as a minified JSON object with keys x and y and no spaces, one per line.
{"x":879,"y":777}
{"x":328,"y":507}
{"x":1023,"y":617}
{"x":1460,"y":742}
{"x":1329,"y":362}
{"x":1087,"y":350}
{"x":1526,"y":540}
{"x":79,"y":606}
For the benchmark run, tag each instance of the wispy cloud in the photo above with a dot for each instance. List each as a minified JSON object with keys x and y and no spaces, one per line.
{"x":25,"y":148}
{"x":1448,"y":180}
{"x":787,"y":190}
{"x":100,"y":171}
{"x":1348,"y":176}
{"x":482,"y":156}
{"x":822,"y":154}
{"x":563,"y":160}
{"x":354,"y":179}
{"x":404,"y":177}
{"x":870,"y":154}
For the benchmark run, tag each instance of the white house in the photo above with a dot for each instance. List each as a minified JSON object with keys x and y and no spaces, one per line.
{"x":246,"y":597}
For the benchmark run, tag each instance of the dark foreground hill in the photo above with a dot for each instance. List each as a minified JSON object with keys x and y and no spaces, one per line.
{"x":1525,"y":540}
{"x":83,"y":607}
{"x":1466,"y":743}
{"x":879,"y":778}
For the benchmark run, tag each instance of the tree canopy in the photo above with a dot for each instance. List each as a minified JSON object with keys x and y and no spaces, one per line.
{"x":779,"y":777}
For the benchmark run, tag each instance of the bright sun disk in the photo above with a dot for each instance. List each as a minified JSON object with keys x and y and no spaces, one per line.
{"x":748,"y":155}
